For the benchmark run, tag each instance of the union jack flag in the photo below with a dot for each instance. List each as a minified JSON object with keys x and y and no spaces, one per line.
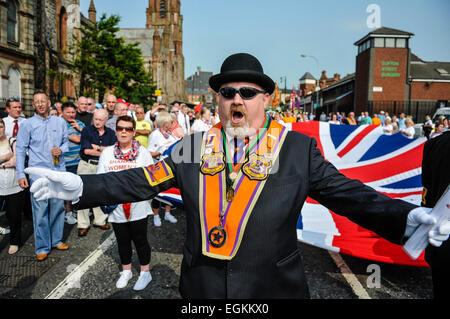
{"x":389,"y":164}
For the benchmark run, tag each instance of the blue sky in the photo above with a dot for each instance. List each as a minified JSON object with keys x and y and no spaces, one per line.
{"x":277,"y":32}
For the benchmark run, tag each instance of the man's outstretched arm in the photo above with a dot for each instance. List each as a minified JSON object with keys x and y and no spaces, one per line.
{"x":126,"y":186}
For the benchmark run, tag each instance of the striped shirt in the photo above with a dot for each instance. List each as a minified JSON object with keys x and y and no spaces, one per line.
{"x":72,"y":157}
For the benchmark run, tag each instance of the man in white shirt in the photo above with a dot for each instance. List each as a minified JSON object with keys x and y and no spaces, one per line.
{"x":203,"y":124}
{"x":183,"y":118}
{"x":13,"y":120}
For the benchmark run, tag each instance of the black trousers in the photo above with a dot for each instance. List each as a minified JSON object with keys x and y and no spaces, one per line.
{"x":135,"y":231}
{"x":14,"y":204}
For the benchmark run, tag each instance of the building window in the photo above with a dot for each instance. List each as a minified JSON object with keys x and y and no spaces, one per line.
{"x":379,"y":42}
{"x":401,"y":43}
{"x":390,"y":42}
{"x":162,"y":9}
{"x":63,"y":32}
{"x":12,"y":21}
{"x":14,"y":83}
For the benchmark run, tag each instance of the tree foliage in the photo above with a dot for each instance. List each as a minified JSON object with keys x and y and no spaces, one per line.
{"x":104,"y":62}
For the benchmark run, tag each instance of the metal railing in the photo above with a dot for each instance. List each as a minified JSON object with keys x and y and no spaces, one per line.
{"x":417,"y":109}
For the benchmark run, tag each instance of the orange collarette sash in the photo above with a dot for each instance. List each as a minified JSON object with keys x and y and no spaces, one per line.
{"x":247,"y":186}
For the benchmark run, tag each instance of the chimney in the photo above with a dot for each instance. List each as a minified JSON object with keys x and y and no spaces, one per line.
{"x":92,"y":12}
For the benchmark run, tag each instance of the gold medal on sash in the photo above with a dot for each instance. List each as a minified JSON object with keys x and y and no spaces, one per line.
{"x":230,"y":195}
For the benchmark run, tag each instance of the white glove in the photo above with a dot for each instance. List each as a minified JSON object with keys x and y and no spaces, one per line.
{"x":419,"y":216}
{"x":54,"y":184}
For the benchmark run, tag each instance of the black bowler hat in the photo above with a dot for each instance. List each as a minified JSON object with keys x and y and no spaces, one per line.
{"x":242,"y":67}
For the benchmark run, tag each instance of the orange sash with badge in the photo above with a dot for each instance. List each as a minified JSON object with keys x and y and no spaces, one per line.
{"x":224,"y":218}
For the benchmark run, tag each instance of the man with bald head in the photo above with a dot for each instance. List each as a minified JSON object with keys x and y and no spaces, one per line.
{"x":110,"y":102}
{"x":94,"y":139}
{"x":120,"y":109}
{"x":83,"y":114}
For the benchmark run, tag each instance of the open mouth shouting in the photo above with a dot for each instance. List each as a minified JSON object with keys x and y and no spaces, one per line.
{"x":238,"y":116}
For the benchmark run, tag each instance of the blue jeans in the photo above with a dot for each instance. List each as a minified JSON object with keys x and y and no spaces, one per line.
{"x":48,"y":223}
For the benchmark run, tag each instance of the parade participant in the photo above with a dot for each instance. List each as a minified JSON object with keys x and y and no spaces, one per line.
{"x":435,"y":180}
{"x":239,"y":243}
{"x":44,"y":138}
{"x":129,"y":220}
{"x":350,"y":120}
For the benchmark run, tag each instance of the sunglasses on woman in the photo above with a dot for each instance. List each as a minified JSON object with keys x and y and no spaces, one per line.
{"x":246,"y":92}
{"x":127,"y":129}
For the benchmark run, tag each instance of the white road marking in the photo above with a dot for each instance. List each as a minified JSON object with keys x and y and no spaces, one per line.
{"x":349,"y":276}
{"x":79,"y":271}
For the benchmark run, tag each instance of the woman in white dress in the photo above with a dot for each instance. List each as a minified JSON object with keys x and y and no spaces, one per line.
{"x":129,"y":220}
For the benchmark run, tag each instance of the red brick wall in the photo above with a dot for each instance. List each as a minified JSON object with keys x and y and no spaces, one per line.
{"x":432,"y":91}
{"x":390,"y":61}
{"x":362,"y":81}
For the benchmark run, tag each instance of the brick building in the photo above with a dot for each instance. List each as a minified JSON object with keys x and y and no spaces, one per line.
{"x":33,"y":48}
{"x":388,"y":77}
{"x":161,"y":42}
{"x":198,"y":90}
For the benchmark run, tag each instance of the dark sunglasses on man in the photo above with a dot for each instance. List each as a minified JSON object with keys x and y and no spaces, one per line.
{"x":14,"y":99}
{"x":246,"y":92}
{"x":127,"y":129}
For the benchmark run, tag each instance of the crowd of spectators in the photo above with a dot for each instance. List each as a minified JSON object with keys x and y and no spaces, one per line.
{"x":402,"y":123}
{"x":87,"y":137}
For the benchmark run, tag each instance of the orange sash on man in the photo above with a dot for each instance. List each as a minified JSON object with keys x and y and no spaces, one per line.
{"x":222,"y":235}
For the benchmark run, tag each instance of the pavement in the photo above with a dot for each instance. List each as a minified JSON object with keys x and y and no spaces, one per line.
{"x":90,"y":269}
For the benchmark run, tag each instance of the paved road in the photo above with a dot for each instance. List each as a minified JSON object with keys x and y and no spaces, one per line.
{"x":90,"y":269}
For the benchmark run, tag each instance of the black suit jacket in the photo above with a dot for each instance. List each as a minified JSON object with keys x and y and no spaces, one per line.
{"x":268,"y":263}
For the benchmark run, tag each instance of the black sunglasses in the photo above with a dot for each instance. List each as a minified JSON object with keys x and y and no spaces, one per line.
{"x":127,"y":129}
{"x":246,"y":92}
{"x":14,"y":99}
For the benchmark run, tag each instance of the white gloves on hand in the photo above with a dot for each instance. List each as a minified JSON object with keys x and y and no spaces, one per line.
{"x":54,"y":184}
{"x":419,"y":216}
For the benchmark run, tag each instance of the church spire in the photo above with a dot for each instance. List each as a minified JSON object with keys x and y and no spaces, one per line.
{"x":92,"y":12}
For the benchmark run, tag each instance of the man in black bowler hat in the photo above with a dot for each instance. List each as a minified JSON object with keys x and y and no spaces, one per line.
{"x":435,"y":180}
{"x":239,"y":244}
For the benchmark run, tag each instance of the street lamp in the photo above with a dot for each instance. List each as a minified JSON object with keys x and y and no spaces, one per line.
{"x":318,"y":72}
{"x":285,"y":85}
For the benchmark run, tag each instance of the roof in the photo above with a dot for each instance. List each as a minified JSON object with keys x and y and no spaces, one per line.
{"x":307,"y":76}
{"x":430,"y":71}
{"x":390,"y":31}
{"x":384,"y":31}
{"x":344,"y":80}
